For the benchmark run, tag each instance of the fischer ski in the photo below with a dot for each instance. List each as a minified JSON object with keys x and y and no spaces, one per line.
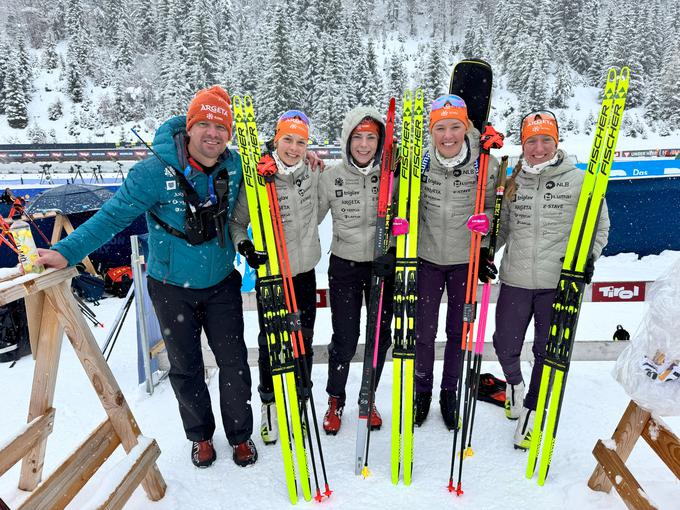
{"x":405,"y":227}
{"x":569,"y":293}
{"x":374,"y":305}
{"x":295,"y":330}
{"x":272,"y":298}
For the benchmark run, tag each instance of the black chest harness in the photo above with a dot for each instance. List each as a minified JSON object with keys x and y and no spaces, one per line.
{"x":203,"y":220}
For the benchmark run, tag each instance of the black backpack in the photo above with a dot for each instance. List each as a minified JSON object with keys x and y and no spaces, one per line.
{"x":14,"y":340}
{"x":88,"y":287}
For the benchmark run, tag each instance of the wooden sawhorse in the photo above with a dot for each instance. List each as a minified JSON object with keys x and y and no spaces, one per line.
{"x":611,"y":469}
{"x":53,"y":311}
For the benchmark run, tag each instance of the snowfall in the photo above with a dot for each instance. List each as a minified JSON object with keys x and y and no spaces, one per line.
{"x":492,"y":479}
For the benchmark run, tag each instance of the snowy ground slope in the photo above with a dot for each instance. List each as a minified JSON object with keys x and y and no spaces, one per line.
{"x":493,"y":478}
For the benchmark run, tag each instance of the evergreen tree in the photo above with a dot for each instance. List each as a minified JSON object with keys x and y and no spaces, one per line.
{"x":86,"y":117}
{"x":24,"y":73}
{"x":562,"y":91}
{"x":79,"y":41}
{"x":73,"y":128}
{"x":323,"y":95}
{"x":74,"y":84}
{"x":123,"y":109}
{"x":124,"y":59}
{"x":225,"y":27}
{"x":310,"y":64}
{"x":396,"y":75}
{"x":4,"y":67}
{"x":280,"y":90}
{"x":469,"y":47}
{"x":147,"y":34}
{"x":670,"y":85}
{"x":202,"y":66}
{"x":369,"y":85}
{"x":175,"y":93}
{"x":108,"y":18}
{"x":508,"y":22}
{"x":434,"y":79}
{"x":15,"y":97}
{"x":536,"y":88}
{"x":55,"y":110}
{"x":36,"y":134}
{"x":50,"y":57}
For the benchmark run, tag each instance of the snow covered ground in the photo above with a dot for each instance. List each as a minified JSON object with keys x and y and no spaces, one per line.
{"x":493,"y":478}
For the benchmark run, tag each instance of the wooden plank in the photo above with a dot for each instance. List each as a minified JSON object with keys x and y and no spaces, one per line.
{"x":627,"y":433}
{"x":28,"y":285}
{"x":58,"y":227}
{"x":34,"y":216}
{"x":34,"y":310}
{"x":102,"y":379}
{"x":618,"y":474}
{"x":600,"y":350}
{"x":42,"y":392}
{"x":66,"y":481}
{"x":17,"y":448}
{"x":68,"y":227}
{"x":135,"y":468}
{"x":664,"y":443}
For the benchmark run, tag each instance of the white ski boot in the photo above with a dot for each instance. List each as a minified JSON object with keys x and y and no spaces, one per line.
{"x":525,"y":427}
{"x":269,"y":429}
{"x":514,"y":399}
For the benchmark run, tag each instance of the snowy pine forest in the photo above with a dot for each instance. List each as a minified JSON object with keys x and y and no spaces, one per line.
{"x":85,"y":71}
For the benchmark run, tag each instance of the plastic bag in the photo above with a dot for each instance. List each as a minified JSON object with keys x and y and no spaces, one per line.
{"x":649,"y":368}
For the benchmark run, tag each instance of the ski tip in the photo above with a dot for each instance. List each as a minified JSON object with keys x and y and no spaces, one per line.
{"x":611,"y":75}
{"x":365,"y":472}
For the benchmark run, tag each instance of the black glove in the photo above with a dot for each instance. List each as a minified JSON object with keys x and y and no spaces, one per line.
{"x":384,"y":265}
{"x":589,"y":269}
{"x":487,"y":269}
{"x":254,"y":258}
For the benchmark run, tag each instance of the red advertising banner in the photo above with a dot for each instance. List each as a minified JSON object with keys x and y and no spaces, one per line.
{"x":618,"y":291}
{"x":322,"y":298}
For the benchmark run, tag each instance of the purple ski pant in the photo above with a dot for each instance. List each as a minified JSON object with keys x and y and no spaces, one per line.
{"x":432,"y":278}
{"x":514,"y":310}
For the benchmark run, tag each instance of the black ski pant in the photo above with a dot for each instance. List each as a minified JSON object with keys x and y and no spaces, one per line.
{"x":305,"y":295}
{"x":349,"y":282}
{"x":182,"y":314}
{"x":514,"y":311}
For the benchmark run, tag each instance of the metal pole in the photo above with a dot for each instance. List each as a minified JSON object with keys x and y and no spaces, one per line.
{"x":136,"y":261}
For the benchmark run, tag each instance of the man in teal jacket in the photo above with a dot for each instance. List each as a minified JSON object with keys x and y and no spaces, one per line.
{"x":187,"y":190}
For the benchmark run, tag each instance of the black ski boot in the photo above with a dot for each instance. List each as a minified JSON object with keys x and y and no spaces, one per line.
{"x":422,"y":407}
{"x":447,"y":401}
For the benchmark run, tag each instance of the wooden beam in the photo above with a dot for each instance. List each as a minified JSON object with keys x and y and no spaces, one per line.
{"x":66,"y":481}
{"x":58,"y":227}
{"x":664,"y":443}
{"x":42,"y":392}
{"x":627,"y":433}
{"x":102,"y":379}
{"x":600,"y":350}
{"x":125,"y":476}
{"x":30,"y":284}
{"x":17,"y":448}
{"x":618,"y":474}
{"x":34,"y":311}
{"x":68,"y":227}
